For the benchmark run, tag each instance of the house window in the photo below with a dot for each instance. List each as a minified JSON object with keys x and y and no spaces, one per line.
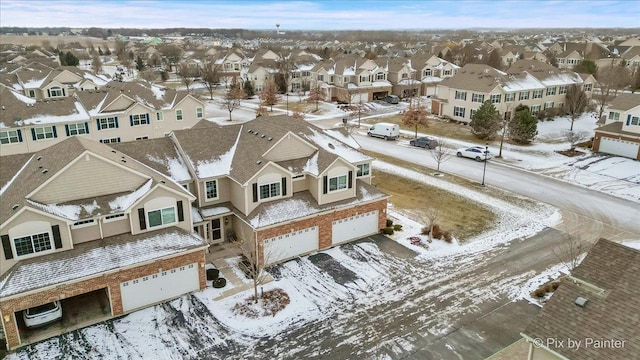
{"x":427,"y":72}
{"x":76,"y":129}
{"x":162,"y":216}
{"x":548,"y":105}
{"x":338,"y":183}
{"x":615,"y":116}
{"x":142,"y":138}
{"x":107,"y":123}
{"x":363,"y":170}
{"x":535,"y":109}
{"x":561,"y":105}
{"x":537,"y":94}
{"x":381,"y":76}
{"x":447,"y":72}
{"x":269,"y":190}
{"x":110,"y":140}
{"x":32,"y":244}
{"x":320,"y":77}
{"x":199,"y":113}
{"x":179,"y":115}
{"x":45,"y":132}
{"x":551,"y":91}
{"x":495,"y":98}
{"x":364,"y":78}
{"x":562,"y":90}
{"x":10,"y":137}
{"x":477,"y":98}
{"x":634,"y":120}
{"x":524,"y":95}
{"x":472,"y":112}
{"x":139,"y":119}
{"x":458,"y":111}
{"x":159,"y":116}
{"x":405,"y":75}
{"x":508,"y":97}
{"x":461,"y":95}
{"x":83,"y":222}
{"x":306,"y":73}
{"x":211,"y":188}
{"x":588,"y":87}
{"x":56,"y":92}
{"x":295,"y":86}
{"x":259,"y":88}
{"x":295,"y":75}
{"x":114,"y":217}
{"x":32,"y":93}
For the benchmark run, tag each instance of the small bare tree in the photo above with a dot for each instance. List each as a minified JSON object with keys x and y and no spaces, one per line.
{"x":574,"y":138}
{"x":576,"y":102}
{"x":232,"y":98}
{"x":570,"y":251}
{"x":148,"y":76}
{"x":315,"y":95}
{"x":610,"y":80}
{"x":441,"y":153}
{"x":269,"y":95}
{"x":188,"y":75}
{"x":253,"y":266}
{"x":298,"y":112}
{"x":261,"y":110}
{"x":211,"y":77}
{"x":415,"y":115}
{"x":432,"y":215}
{"x":96,"y":63}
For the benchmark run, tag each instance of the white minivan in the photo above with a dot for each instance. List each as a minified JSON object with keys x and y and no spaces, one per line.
{"x":386,"y":131}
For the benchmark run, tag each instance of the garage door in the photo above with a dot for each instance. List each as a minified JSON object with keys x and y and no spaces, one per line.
{"x":290,"y":245}
{"x":619,"y":147}
{"x":165,"y":285}
{"x":354,"y":227}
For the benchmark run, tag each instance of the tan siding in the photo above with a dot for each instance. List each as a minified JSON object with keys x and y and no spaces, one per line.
{"x":239,"y":196}
{"x":313,"y":184}
{"x":121,"y":103}
{"x":300,"y":185}
{"x":243,"y":231}
{"x":116,"y":227}
{"x":542,"y":354}
{"x":289,"y":148}
{"x":68,"y":77}
{"x":271,"y":171}
{"x":88,"y":177}
{"x":224,"y":192}
{"x":149,"y":199}
{"x":84,"y":234}
{"x":339,"y":168}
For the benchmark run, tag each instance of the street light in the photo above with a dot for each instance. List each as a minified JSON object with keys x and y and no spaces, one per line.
{"x":484,"y":169}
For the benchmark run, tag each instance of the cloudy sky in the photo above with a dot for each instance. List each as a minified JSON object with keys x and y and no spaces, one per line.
{"x":320,"y":15}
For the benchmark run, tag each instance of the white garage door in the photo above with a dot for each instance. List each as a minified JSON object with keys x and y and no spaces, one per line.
{"x":165,"y":285}
{"x":619,"y":147}
{"x":290,"y":245}
{"x":354,"y":227}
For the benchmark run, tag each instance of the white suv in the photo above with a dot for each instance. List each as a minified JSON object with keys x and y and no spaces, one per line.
{"x":43,"y":314}
{"x":478,"y":153}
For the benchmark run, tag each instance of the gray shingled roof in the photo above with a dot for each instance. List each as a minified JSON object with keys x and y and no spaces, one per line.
{"x":612,"y":314}
{"x":158,"y":154}
{"x":19,"y":110}
{"x":625,"y":101}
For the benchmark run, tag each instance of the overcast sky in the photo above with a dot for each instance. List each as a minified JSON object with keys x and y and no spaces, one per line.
{"x":320,"y":15}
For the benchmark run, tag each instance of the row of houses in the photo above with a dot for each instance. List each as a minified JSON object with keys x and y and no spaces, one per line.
{"x":129,"y":224}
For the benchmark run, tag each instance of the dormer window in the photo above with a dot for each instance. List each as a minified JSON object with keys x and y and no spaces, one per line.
{"x":32,"y":244}
{"x":363,"y":170}
{"x":271,"y":190}
{"x":56,"y":91}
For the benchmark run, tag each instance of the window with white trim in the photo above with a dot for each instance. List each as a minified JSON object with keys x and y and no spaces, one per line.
{"x":179,"y":114}
{"x":461,"y":95}
{"x":211,"y":189}
{"x":427,"y":72}
{"x":199,"y":113}
{"x":614,"y":115}
{"x":537,"y":94}
{"x":142,"y":138}
{"x":110,"y":140}
{"x":381,"y":76}
{"x":479,"y":98}
{"x":83,"y":223}
{"x":32,"y":244}
{"x":551,"y":91}
{"x":114,"y":217}
{"x":363,"y":170}
{"x":458,"y":111}
{"x":535,"y":109}
{"x":295,"y":75}
{"x":320,"y":77}
{"x":32,"y":93}
{"x":306,"y":73}
{"x":338,"y":183}
{"x":495,"y":98}
{"x":524,"y":95}
{"x":561,"y":105}
{"x":139,"y":119}
{"x":107,"y":123}
{"x":588,"y":87}
{"x":634,"y":120}
{"x":77,"y":129}
{"x":364,"y":78}
{"x":562,"y":90}
{"x":159,"y":116}
{"x":56,"y":91}
{"x":472,"y":112}
{"x":548,"y":105}
{"x":508,"y":97}
{"x":10,"y":137}
{"x":162,"y":216}
{"x":447,"y":73}
{"x":269,"y":190}
{"x":45,"y":132}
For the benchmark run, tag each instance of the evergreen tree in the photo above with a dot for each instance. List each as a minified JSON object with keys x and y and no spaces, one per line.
{"x":68,"y":59}
{"x":586,"y":67}
{"x":107,"y":52}
{"x":524,"y":126}
{"x":139,"y":63}
{"x":100,"y":51}
{"x":248,"y":89}
{"x":486,"y":121}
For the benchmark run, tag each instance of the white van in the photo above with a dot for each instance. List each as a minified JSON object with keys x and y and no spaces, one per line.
{"x":385,"y":130}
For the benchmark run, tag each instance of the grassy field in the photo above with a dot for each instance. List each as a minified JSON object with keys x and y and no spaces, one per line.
{"x":437,"y":127}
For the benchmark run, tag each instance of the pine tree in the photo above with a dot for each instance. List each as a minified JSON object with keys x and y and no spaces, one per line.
{"x":524,"y":126}
{"x":139,"y":64}
{"x":100,"y":51}
{"x":486,"y":121}
{"x":248,"y":89}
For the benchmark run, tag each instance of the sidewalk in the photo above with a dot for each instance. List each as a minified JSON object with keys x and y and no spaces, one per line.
{"x":238,"y":285}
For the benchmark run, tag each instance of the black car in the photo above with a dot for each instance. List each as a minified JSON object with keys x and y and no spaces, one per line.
{"x":424,"y":142}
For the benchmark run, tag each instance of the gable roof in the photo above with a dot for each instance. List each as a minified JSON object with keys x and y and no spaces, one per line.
{"x":625,"y":101}
{"x":612,"y":271}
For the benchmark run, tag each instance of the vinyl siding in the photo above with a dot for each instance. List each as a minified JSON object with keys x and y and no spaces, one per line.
{"x":289,"y":148}
{"x":86,"y":233}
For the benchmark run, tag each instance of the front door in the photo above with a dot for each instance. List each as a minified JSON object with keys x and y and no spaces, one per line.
{"x":216,"y":230}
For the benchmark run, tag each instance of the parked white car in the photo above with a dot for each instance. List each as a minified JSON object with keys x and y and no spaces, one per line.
{"x":43,"y":314}
{"x":478,"y":153}
{"x":385,"y":130}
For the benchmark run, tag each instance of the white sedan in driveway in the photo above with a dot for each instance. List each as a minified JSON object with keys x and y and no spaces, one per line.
{"x":478,"y":153}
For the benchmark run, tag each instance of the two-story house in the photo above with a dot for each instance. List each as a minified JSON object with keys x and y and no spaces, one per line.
{"x":620,"y":134}
{"x":86,"y":225}
{"x":432,"y":70}
{"x":118,"y":112}
{"x":527,"y":82}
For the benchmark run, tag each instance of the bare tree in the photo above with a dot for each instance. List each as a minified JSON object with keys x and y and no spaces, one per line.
{"x":211,"y":77}
{"x":610,"y":80}
{"x":96,"y":63}
{"x":269,"y":95}
{"x":298,"y":112}
{"x":171,"y":54}
{"x":575,"y":103}
{"x":148,"y":75}
{"x":433,"y":215}
{"x":285,"y":67}
{"x":415,"y":115}
{"x":261,"y":110}
{"x":570,"y":251}
{"x":232,"y":98}
{"x":315,"y":95}
{"x":441,"y":153}
{"x":188,"y":75}
{"x":574,"y":138}
{"x":253,"y":265}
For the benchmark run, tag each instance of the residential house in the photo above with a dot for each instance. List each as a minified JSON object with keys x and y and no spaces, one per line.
{"x":86,"y":225}
{"x":232,"y":64}
{"x":432,"y":70}
{"x":593,"y":314}
{"x":402,"y":76}
{"x":528,"y":82}
{"x":28,"y":125}
{"x":620,"y":134}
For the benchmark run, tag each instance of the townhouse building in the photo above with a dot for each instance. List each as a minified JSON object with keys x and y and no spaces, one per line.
{"x":432,"y":70}
{"x":620,"y":134}
{"x":116,"y":112}
{"x":527,"y":82}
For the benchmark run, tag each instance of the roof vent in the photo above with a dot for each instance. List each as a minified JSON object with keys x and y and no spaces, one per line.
{"x":113,"y":151}
{"x":259,"y":162}
{"x":249,"y":131}
{"x":331,"y":146}
{"x":580,"y":301}
{"x":123,"y":160}
{"x":15,"y":206}
{"x":162,"y":181}
{"x":45,"y":171}
{"x":39,"y":158}
{"x":269,"y":139}
{"x":262,"y":136}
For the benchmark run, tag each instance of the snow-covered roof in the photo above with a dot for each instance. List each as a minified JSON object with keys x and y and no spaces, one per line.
{"x":220,"y":166}
{"x":213,"y":211}
{"x":95,"y":257}
{"x":328,"y":143}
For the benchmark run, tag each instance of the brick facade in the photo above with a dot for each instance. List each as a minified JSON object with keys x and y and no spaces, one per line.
{"x":110,"y":281}
{"x":324,"y":223}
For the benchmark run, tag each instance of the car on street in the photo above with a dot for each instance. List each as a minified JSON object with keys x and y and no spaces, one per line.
{"x":478,"y":153}
{"x":391,"y":99}
{"x":426,"y":142}
{"x":43,"y":314}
